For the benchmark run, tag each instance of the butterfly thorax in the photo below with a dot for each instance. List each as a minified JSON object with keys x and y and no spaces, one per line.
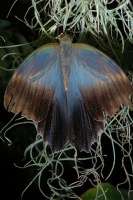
{"x":65,"y":59}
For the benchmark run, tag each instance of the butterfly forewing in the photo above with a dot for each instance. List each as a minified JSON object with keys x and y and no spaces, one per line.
{"x":37,"y":91}
{"x":30,"y":83}
{"x":110,"y":84}
{"x":97,"y":87}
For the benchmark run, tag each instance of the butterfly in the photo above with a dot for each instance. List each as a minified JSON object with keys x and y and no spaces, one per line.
{"x":67,"y":90}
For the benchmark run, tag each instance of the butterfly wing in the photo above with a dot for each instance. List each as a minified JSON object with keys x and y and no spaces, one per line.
{"x":37,"y":91}
{"x":97,"y":86}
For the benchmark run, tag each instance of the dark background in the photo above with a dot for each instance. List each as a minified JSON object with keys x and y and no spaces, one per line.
{"x":13,"y":180}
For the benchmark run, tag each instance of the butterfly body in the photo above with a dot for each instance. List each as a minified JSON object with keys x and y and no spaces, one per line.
{"x":67,"y":90}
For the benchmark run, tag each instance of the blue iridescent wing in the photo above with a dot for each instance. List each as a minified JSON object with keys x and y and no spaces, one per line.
{"x":37,"y":91}
{"x":97,"y":87}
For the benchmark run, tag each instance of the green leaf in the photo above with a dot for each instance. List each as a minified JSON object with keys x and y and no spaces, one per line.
{"x":106,"y":191}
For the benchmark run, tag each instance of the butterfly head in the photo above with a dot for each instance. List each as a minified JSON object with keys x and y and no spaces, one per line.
{"x":65,"y":38}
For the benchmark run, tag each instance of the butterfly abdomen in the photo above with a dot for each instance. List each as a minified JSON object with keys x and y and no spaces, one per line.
{"x":65,"y":59}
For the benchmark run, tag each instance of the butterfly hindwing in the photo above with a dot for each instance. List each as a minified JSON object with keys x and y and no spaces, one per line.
{"x":84,"y":124}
